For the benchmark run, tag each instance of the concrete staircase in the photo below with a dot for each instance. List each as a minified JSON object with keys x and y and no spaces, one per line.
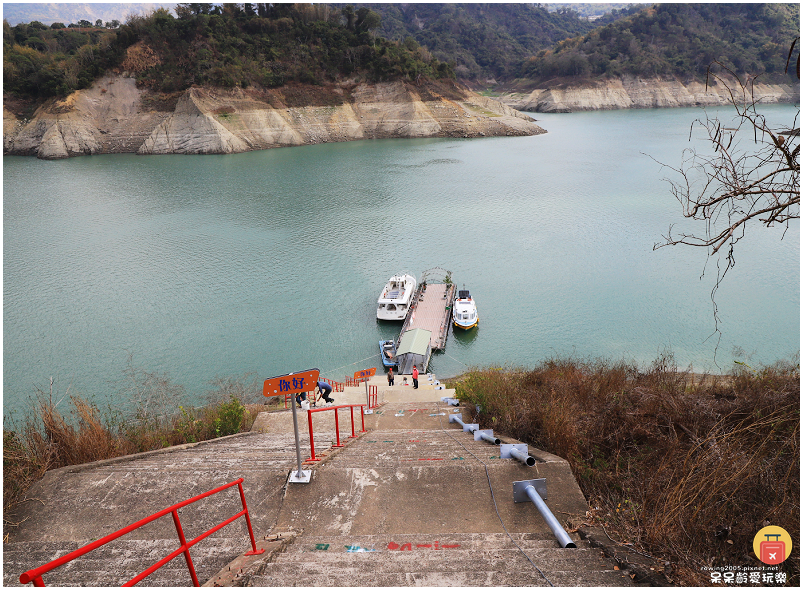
{"x":413,"y":501}
{"x":418,"y":502}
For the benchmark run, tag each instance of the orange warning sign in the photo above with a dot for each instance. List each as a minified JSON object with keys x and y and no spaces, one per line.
{"x":291,"y":383}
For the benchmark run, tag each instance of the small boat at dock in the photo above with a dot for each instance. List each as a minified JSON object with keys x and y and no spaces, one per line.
{"x":388,"y":353}
{"x":393,"y":303}
{"x":465,"y":312}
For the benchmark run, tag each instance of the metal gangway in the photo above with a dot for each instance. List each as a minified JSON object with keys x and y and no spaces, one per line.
{"x":430,"y":316}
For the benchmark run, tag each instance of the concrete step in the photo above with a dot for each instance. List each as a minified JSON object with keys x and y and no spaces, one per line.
{"x":441,"y":560}
{"x":464,"y":578}
{"x":437,"y":563}
{"x":440,"y":543}
{"x":119,"y":561}
{"x":407,"y":446}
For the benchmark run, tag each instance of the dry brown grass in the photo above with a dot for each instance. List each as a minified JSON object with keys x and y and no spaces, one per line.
{"x":687,"y":469}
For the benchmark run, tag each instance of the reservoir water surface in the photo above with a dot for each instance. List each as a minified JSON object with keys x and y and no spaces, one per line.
{"x":268,"y":262}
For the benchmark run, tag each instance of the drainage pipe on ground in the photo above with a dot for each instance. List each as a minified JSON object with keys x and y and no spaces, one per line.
{"x":518,"y":452}
{"x":530,"y":490}
{"x":467,"y":427}
{"x":487,"y":435}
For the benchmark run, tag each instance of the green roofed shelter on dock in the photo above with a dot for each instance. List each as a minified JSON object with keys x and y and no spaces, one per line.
{"x":414,"y":349}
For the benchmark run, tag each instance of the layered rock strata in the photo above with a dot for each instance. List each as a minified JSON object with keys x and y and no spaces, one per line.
{"x":632,"y":93}
{"x":114,"y":116}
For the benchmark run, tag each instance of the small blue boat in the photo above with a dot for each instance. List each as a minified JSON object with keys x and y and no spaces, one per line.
{"x":388,"y":353}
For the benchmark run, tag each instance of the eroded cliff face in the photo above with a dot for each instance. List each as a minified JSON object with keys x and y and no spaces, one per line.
{"x":635,"y":93}
{"x":114,"y":116}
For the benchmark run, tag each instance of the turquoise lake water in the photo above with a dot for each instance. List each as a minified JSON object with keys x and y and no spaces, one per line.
{"x":269,"y":262}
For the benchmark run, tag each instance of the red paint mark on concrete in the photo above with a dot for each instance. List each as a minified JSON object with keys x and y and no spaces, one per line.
{"x":392,"y":546}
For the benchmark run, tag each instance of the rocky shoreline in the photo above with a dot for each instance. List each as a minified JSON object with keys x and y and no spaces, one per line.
{"x":115,"y":116}
{"x":633,"y":93}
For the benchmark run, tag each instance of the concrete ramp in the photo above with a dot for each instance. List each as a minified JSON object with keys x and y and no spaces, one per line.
{"x":423,"y":480}
{"x":418,"y":502}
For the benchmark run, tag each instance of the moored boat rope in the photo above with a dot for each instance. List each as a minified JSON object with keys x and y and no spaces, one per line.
{"x":351,"y":364}
{"x":456,"y":360}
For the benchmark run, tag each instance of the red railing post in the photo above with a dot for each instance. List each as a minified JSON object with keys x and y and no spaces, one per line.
{"x":255,"y":551}
{"x":182,"y":539}
{"x":362,"y":420}
{"x":336,"y":415}
{"x":352,"y":422}
{"x":311,"y":435}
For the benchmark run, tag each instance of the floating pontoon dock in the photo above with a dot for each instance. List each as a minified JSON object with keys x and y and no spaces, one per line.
{"x":431,"y":307}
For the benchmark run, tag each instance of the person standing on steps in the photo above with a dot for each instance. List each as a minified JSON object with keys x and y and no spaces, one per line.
{"x":390,"y":377}
{"x":415,"y":377}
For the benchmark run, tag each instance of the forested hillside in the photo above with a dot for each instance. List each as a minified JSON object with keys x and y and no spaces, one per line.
{"x":678,"y":40}
{"x":230,"y":45}
{"x":269,"y":45}
{"x":481,"y":40}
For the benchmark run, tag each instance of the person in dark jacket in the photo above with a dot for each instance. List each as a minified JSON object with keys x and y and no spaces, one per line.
{"x":325,"y":390}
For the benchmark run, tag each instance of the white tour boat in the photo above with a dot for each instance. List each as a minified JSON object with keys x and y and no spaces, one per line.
{"x":465,"y":314}
{"x":396,"y":297}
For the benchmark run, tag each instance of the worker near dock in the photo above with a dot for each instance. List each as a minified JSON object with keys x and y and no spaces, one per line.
{"x":415,"y":377}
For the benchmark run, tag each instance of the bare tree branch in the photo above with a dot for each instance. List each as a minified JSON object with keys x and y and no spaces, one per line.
{"x":744,"y":179}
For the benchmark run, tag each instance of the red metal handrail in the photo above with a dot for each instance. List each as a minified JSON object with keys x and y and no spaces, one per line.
{"x":336,"y":417}
{"x":35,"y":575}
